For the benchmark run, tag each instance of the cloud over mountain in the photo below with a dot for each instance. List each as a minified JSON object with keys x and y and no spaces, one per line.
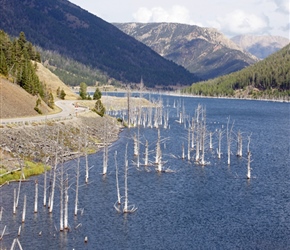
{"x":175,"y":14}
{"x":240,"y":22}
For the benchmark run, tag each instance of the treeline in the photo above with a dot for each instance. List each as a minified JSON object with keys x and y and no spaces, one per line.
{"x":16,"y":56}
{"x":269,"y":78}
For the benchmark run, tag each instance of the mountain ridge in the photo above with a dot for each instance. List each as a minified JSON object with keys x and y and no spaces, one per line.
{"x":260,"y":46}
{"x":59,"y":25}
{"x":204,"y":51}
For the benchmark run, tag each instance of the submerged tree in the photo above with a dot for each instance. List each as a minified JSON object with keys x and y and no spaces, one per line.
{"x":125,"y":206}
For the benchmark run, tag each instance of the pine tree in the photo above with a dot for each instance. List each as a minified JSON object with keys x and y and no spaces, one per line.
{"x":97,"y":94}
{"x":83,"y":91}
{"x":99,"y":108}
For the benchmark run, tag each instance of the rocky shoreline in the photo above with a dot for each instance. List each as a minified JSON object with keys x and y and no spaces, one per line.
{"x":40,"y":142}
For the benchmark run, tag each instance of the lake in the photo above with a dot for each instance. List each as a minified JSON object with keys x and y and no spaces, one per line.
{"x":186,"y":206}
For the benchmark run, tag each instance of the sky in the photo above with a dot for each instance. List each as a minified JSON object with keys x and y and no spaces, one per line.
{"x":257,"y":17}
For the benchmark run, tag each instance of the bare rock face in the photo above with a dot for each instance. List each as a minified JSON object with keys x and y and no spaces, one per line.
{"x":261,"y":46}
{"x":203,"y":51}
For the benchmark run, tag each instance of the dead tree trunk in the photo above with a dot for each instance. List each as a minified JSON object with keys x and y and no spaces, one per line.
{"x":44,"y":187}
{"x":128,"y":103}
{"x":86,"y":158}
{"x":117,"y":180}
{"x":14,"y":202}
{"x":239,"y":144}
{"x":249,"y":159}
{"x":105,"y":152}
{"x":188,"y":144}
{"x":24,"y":209}
{"x":146,"y":153}
{"x":77,"y":184}
{"x":61,"y":198}
{"x":229,"y":139}
{"x":36,"y":196}
{"x":220,"y":136}
{"x":54,"y":174}
{"x":66,"y":203}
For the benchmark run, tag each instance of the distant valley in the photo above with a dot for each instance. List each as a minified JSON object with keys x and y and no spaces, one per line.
{"x":260,"y":46}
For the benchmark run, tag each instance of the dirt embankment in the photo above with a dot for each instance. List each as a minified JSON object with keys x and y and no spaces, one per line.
{"x":41,"y":142}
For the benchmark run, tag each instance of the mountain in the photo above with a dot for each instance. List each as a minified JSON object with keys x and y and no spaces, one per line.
{"x":269,"y":78}
{"x":260,"y":46}
{"x":204,"y":51}
{"x":61,"y":26}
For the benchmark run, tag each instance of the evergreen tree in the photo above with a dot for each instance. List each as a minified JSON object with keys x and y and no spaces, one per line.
{"x":83,"y":91}
{"x":3,"y":64}
{"x":97,"y":94}
{"x":62,"y":94}
{"x":99,"y":108}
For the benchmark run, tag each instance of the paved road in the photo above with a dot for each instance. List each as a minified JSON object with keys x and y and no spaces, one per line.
{"x":68,"y":111}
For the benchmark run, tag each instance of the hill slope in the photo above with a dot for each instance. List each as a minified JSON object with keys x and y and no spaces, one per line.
{"x":260,"y":46}
{"x":269,"y":78}
{"x":204,"y":51}
{"x":52,"y":82}
{"x":61,"y":26}
{"x":16,"y":102}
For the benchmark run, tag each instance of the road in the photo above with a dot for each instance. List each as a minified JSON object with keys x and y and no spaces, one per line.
{"x":68,"y":111}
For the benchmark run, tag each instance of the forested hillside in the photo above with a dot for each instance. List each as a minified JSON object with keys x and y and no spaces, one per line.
{"x":72,"y":72}
{"x":269,"y":78}
{"x":16,"y":65}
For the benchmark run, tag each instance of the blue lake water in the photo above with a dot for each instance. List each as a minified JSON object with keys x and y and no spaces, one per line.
{"x":193,"y":207}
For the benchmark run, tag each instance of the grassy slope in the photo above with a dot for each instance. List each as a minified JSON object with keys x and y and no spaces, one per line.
{"x":52,"y":82}
{"x":16,"y":102}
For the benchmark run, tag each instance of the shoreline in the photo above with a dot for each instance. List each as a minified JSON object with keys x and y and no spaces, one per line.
{"x":172,"y":93}
{"x":38,"y":144}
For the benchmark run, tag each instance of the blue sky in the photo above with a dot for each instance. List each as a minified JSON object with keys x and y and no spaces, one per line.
{"x":258,"y":17}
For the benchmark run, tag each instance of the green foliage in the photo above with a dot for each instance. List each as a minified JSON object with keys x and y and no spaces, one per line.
{"x":62,"y":94}
{"x":270,"y":77}
{"x":83,"y":91}
{"x":30,"y":169}
{"x":70,"y":71}
{"x":36,"y":108}
{"x":48,"y":99}
{"x":99,"y":108}
{"x":97,"y":95}
{"x":16,"y":58}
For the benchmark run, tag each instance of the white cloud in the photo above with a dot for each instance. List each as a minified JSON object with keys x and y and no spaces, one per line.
{"x":283,"y":6}
{"x":177,"y":14}
{"x":239,"y":22}
{"x":142,"y":15}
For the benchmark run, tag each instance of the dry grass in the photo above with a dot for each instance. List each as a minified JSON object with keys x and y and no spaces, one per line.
{"x":53,"y":82}
{"x":16,"y":102}
{"x":117,"y":103}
